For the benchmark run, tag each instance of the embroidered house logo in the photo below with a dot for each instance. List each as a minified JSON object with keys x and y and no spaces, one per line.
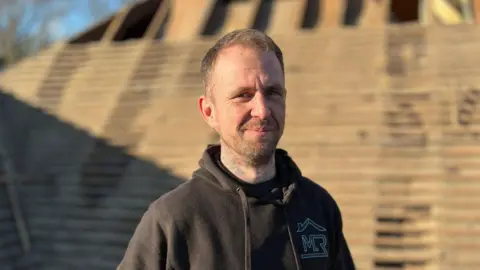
{"x":314,"y":239}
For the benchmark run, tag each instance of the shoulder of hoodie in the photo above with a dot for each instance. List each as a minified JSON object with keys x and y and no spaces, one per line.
{"x":179,"y":202}
{"x":314,"y":191}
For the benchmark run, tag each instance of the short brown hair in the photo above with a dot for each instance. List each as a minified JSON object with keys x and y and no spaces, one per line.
{"x":248,"y":37}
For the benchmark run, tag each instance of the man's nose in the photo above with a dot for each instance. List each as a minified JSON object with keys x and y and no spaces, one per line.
{"x":260,"y":107}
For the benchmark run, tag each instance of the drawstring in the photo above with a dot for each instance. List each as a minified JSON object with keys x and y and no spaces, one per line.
{"x":246,"y":218}
{"x":297,"y":263}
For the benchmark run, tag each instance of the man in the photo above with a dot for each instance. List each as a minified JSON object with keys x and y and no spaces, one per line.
{"x":248,"y":205}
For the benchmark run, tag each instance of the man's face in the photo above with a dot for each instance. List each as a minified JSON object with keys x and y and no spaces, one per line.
{"x":248,"y":106}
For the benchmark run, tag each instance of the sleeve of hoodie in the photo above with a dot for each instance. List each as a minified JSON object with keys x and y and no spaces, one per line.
{"x":147,"y":249}
{"x":343,"y":258}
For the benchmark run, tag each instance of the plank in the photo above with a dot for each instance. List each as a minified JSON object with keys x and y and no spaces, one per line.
{"x":333,"y":135}
{"x":29,"y":74}
{"x":375,"y":13}
{"x":76,"y":204}
{"x":332,"y":13}
{"x":75,"y":105}
{"x":158,"y":21}
{"x":399,"y":213}
{"x":50,"y":92}
{"x":411,"y":200}
{"x":465,"y":245}
{"x":70,"y":250}
{"x":287,"y":16}
{"x":306,"y":149}
{"x":240,"y":15}
{"x":406,"y":242}
{"x":462,"y":191}
{"x":186,"y":21}
{"x":446,"y":12}
{"x":116,"y":24}
{"x":476,"y":11}
{"x":462,"y":258}
{"x":404,"y":255}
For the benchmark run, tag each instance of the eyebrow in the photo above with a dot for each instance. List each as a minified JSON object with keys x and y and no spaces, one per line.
{"x":275,"y":85}
{"x":242,"y":89}
{"x":267,"y":87}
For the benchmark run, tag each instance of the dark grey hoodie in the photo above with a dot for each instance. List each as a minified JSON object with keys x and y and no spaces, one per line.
{"x":215,"y":221}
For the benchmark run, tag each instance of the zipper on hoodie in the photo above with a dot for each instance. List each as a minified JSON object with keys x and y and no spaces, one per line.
{"x":246,"y":218}
{"x":295,"y":255}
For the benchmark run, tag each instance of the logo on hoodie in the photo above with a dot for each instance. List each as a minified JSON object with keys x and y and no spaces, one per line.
{"x":314,"y":239}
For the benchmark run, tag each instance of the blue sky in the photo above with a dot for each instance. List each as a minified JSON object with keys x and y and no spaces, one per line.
{"x":78,"y":19}
{"x":70,"y":25}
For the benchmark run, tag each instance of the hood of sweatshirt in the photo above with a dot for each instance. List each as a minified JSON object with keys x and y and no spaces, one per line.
{"x":278,"y":192}
{"x":216,"y":221}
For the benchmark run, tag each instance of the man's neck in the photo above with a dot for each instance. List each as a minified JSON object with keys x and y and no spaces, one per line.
{"x":244,"y":171}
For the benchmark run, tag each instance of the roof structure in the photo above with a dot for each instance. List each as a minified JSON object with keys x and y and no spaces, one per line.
{"x":383,"y":116}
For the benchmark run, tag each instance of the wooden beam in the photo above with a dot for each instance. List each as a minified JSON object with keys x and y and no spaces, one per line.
{"x":287,"y":16}
{"x":240,"y":15}
{"x":158,"y":20}
{"x":447,"y":13}
{"x":476,"y":11}
{"x":332,"y":13}
{"x":187,"y":19}
{"x":425,"y":12}
{"x":375,"y":13}
{"x":116,"y":24}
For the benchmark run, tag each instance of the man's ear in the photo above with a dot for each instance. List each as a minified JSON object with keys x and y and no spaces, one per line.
{"x":208,"y":111}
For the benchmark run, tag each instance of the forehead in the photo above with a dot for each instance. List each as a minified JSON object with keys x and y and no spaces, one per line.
{"x":238,"y":65}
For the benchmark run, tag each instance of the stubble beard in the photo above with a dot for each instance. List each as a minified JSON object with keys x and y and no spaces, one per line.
{"x":254,"y":153}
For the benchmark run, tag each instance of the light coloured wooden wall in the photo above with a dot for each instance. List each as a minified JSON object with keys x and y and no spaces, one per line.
{"x":372,"y":115}
{"x":384,"y":117}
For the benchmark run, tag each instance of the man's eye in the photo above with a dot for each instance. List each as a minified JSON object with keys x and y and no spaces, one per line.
{"x":275,"y":92}
{"x":244,"y":95}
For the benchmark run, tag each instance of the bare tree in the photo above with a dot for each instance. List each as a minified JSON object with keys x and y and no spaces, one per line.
{"x":24,"y":23}
{"x":24,"y":26}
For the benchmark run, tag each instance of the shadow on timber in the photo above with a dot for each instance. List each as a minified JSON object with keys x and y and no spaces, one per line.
{"x":80,"y":196}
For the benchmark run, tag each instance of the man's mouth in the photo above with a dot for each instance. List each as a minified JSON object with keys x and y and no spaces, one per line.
{"x":260,"y":127}
{"x":261,"y":131}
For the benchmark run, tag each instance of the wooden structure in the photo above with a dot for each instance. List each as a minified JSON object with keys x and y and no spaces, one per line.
{"x":384,"y":116}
